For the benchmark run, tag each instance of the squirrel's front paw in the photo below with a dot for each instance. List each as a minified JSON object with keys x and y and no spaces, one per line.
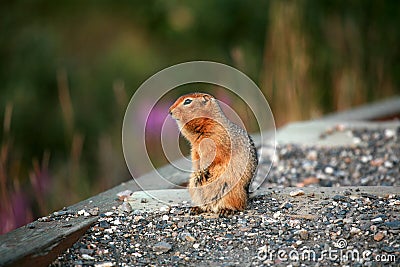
{"x":201,"y":176}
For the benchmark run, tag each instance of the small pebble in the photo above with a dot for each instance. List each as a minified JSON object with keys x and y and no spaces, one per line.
{"x":312,"y":155}
{"x":296,"y":193}
{"x":125,"y":207}
{"x":31,"y":225}
{"x":164,"y":208}
{"x":277,"y":214}
{"x":388,"y":249}
{"x":329,"y":170}
{"x":294,"y":223}
{"x":379,"y":236}
{"x":190,"y":238}
{"x":389,"y":133}
{"x":394,"y":225}
{"x":377,"y":220}
{"x":104,"y":264}
{"x":286,"y":205}
{"x":116,"y":222}
{"x":355,"y":231}
{"x":104,"y":224}
{"x":370,"y":196}
{"x":109,"y":213}
{"x":94,"y":211}
{"x":124,"y":194}
{"x":339,"y":198}
{"x":86,"y":251}
{"x":81,"y":212}
{"x":388,"y":164}
{"x":162,"y":247}
{"x":303,"y":233}
{"x":87,"y":257}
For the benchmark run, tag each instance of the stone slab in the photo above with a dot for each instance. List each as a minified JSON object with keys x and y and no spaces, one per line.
{"x":313,"y":133}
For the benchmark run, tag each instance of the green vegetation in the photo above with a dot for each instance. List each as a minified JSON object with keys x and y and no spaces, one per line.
{"x":69,"y":68}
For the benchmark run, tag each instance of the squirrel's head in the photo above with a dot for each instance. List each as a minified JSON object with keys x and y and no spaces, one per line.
{"x":192,"y":106}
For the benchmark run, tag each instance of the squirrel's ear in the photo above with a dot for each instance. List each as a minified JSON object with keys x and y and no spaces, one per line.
{"x":206,"y":98}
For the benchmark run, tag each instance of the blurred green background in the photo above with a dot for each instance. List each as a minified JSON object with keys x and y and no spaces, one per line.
{"x":69,"y":68}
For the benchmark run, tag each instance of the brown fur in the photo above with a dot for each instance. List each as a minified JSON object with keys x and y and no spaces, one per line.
{"x":223,"y":155}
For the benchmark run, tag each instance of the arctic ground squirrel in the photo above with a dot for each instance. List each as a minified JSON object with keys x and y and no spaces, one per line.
{"x":224,"y":158}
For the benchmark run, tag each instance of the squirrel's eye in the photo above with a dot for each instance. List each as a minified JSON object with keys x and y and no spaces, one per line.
{"x":187,"y":101}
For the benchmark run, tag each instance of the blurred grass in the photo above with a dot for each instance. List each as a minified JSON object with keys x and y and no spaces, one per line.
{"x":68,"y":69}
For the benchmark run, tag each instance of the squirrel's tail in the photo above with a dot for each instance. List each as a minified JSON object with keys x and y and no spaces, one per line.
{"x":265,"y":156}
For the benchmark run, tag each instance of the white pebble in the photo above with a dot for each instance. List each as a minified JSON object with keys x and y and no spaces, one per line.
{"x":294,"y":222}
{"x":277,"y":214}
{"x":137,"y":254}
{"x":124,"y":194}
{"x":164,"y":209}
{"x":355,"y":231}
{"x":116,"y":222}
{"x":270,"y":221}
{"x":295,"y":193}
{"x":87,"y":257}
{"x":328,"y":170}
{"x":104,"y":264}
{"x":312,"y":155}
{"x":378,"y":219}
{"x":388,"y":164}
{"x":389,"y":133}
{"x":81,"y":212}
{"x":108,"y":230}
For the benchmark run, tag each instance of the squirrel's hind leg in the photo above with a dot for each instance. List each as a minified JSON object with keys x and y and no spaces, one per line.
{"x":200,"y":209}
{"x":196,"y":210}
{"x":225,"y":212}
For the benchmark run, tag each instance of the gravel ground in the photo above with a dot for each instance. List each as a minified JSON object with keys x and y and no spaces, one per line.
{"x":374,"y":161}
{"x":272,"y":231}
{"x":351,"y":228}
